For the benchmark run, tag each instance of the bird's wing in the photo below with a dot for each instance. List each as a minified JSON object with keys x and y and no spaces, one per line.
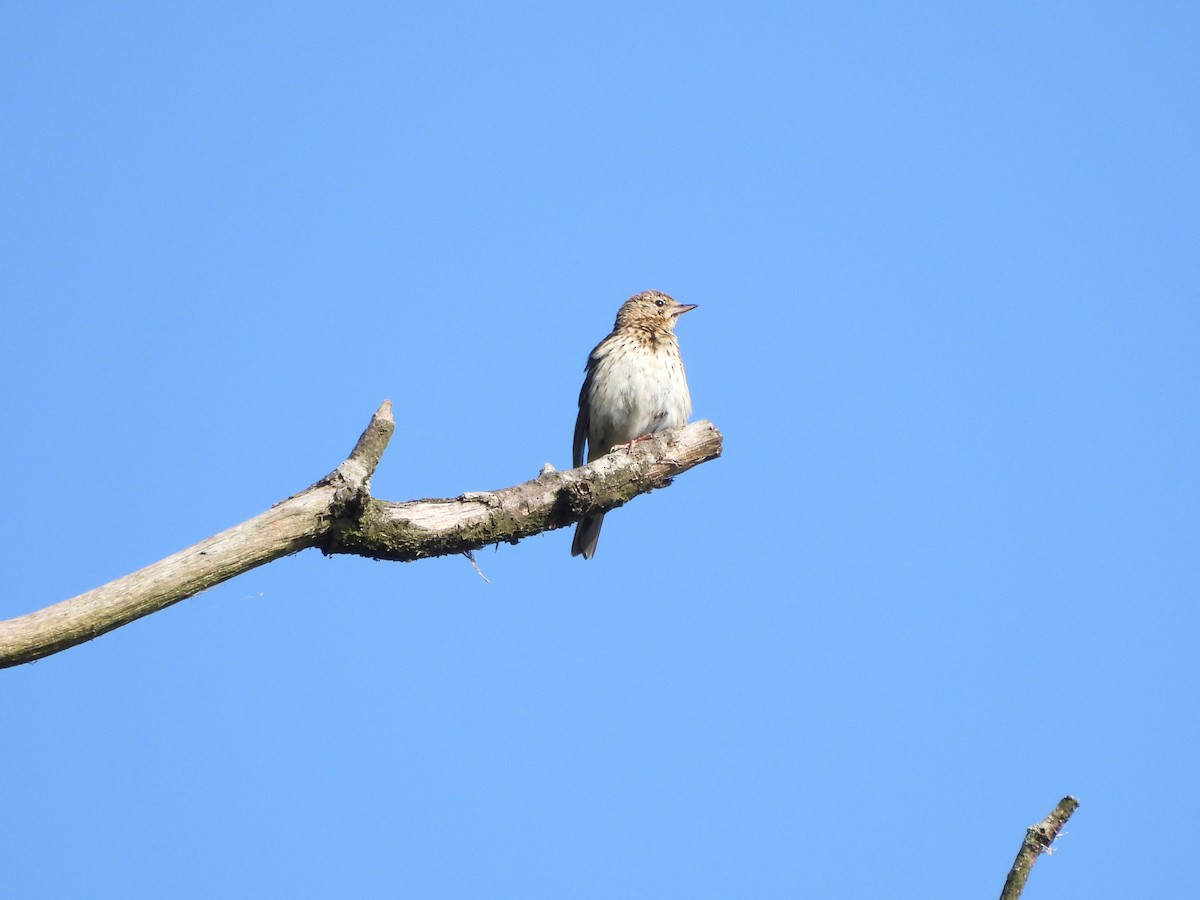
{"x":581,"y":422}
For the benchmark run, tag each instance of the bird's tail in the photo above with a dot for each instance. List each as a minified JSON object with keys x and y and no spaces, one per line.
{"x":587,"y":533}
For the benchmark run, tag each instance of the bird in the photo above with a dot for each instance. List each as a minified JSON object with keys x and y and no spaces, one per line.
{"x":634,"y":386}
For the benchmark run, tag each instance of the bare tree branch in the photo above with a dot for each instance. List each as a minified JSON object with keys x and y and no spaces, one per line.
{"x":1038,"y":839}
{"x":339,"y":515}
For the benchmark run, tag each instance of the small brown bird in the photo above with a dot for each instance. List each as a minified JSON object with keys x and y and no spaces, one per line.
{"x":634,"y":387}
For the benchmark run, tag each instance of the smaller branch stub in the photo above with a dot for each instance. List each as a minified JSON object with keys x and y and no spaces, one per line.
{"x":1038,"y":839}
{"x":356,"y":471}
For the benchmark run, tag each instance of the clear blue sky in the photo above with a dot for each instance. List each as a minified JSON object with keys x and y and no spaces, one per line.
{"x":945,"y":573}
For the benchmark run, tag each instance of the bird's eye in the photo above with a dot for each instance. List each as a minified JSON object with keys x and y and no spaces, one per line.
{"x":658,"y":303}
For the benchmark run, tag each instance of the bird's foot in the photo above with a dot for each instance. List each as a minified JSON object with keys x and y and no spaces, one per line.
{"x":628,"y":448}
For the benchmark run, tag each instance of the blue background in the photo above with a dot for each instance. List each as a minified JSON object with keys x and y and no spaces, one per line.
{"x":945,"y":572}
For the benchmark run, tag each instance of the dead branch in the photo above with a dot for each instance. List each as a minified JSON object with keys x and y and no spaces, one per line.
{"x":1038,"y":839}
{"x":339,"y":515}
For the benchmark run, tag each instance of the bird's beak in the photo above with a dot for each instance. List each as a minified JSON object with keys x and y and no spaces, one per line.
{"x":682,"y":308}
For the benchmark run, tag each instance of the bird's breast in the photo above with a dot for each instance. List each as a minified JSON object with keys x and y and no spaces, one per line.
{"x":636,"y":389}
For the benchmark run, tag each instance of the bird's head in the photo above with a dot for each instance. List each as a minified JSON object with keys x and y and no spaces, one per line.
{"x":652,"y":310}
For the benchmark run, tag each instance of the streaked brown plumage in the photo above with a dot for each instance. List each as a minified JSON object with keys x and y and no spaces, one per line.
{"x":634,"y":387}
